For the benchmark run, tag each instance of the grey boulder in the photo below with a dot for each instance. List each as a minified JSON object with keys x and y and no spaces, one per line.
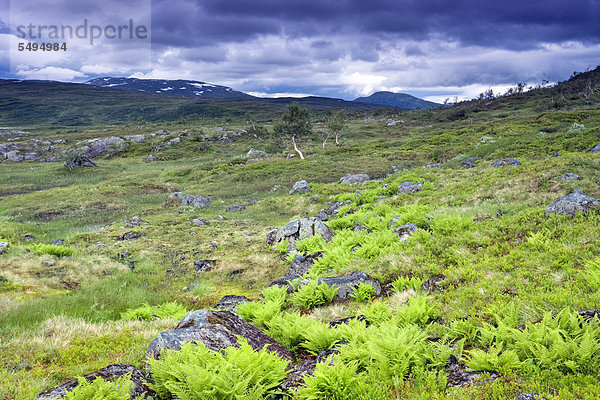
{"x":179,"y":198}
{"x":573,"y":203}
{"x":347,"y":284}
{"x":409,"y":187}
{"x":469,"y":162}
{"x":301,"y":264}
{"x":217,"y":330}
{"x":506,"y":161}
{"x":254,"y":153}
{"x":595,"y":149}
{"x":300,"y":187}
{"x":302,"y":228}
{"x":569,"y":177}
{"x":3,"y":247}
{"x":405,"y":231}
{"x":354,"y":178}
{"x":108,"y":145}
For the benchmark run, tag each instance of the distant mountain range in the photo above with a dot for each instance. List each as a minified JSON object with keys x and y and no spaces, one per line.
{"x":171,"y":88}
{"x":400,"y":100}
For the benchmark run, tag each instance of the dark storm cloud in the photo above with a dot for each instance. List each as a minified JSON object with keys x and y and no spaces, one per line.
{"x":505,"y":24}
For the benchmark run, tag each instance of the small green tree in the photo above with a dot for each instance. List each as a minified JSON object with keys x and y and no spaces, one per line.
{"x":295,"y":123}
{"x":335,"y":125}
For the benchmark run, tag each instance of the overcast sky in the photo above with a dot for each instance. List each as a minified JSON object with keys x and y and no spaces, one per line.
{"x":341,"y":48}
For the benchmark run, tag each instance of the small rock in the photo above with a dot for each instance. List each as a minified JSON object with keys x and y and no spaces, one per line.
{"x":203,"y":265}
{"x":358,"y":227}
{"x":131,"y":235}
{"x":151,"y":158}
{"x":199,"y":222}
{"x":48,"y":263}
{"x":300,"y":187}
{"x":285,"y":282}
{"x":434,"y":284}
{"x":506,"y":161}
{"x":433,"y":166}
{"x":58,"y":242}
{"x":354,"y":178}
{"x":214,"y":245}
{"x":573,"y":203}
{"x":557,"y":154}
{"x":469,"y":162}
{"x":530,"y":396}
{"x":347,"y":284}
{"x":254,"y":153}
{"x":408,"y":187}
{"x":252,"y":200}
{"x":29,"y":237}
{"x":569,"y":177}
{"x":3,"y":247}
{"x":302,"y":264}
{"x":136,"y":221}
{"x":332,"y":210}
{"x":235,"y":208}
{"x":405,"y":231}
{"x":188,"y":199}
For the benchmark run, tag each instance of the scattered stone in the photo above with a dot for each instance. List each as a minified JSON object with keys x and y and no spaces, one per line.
{"x":302,"y":264}
{"x":131,"y":235}
{"x":595,"y":149}
{"x":254,"y":153}
{"x":297,"y":373}
{"x":151,"y":158}
{"x":236,"y":208}
{"x":469,"y":162}
{"x":111,"y":145}
{"x":58,"y":242}
{"x":405,"y":231}
{"x":409,"y":187}
{"x":254,"y":160}
{"x":332,"y":210}
{"x":29,"y":237}
{"x":590,"y":314}
{"x":217,"y":330}
{"x":302,"y":228}
{"x":573,"y":203}
{"x":3,"y":247}
{"x":530,"y":396}
{"x":252,"y":200}
{"x":214,"y":245}
{"x":394,"y":169}
{"x":285,"y":282}
{"x":569,"y":177}
{"x":271,"y":235}
{"x":356,"y":178}
{"x":110,"y":373}
{"x":300,"y":187}
{"x":80,"y":160}
{"x":136,"y":221}
{"x":434,"y":284}
{"x":203,"y":265}
{"x":230,"y":302}
{"x":506,"y":161}
{"x":188,"y":200}
{"x":557,"y":154}
{"x":358,"y":227}
{"x":433,"y":166}
{"x":347,"y":284}
{"x":199,"y":222}
{"x":48,"y":263}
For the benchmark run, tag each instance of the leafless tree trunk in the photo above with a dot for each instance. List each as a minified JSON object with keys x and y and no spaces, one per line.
{"x":337,"y":134}
{"x":296,"y":148}
{"x":325,"y":141}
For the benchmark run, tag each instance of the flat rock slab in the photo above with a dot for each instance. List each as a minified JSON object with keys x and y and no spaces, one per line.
{"x":347,"y":284}
{"x":354,"y":178}
{"x":302,"y":228}
{"x":569,"y":177}
{"x":574,"y":203}
{"x":109,"y":373}
{"x":217,"y":330}
{"x":230,"y":302}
